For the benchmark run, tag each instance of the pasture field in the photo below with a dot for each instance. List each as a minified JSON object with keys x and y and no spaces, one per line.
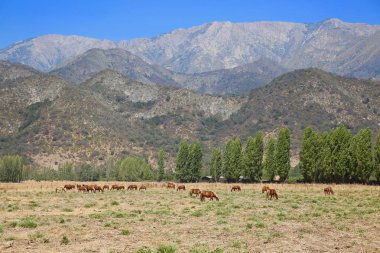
{"x":33,"y":218}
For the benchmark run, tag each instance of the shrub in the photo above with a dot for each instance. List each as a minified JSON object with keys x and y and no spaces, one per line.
{"x":65,"y":240}
{"x":166,"y":249}
{"x":125,"y":232}
{"x":28,"y":222}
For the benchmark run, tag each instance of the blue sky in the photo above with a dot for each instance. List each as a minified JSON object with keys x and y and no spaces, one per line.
{"x":117,"y":20}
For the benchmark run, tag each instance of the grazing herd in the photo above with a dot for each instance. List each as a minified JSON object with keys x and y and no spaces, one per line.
{"x":270,"y":193}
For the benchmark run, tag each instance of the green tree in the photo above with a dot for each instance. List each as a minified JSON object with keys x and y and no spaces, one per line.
{"x":11,"y":168}
{"x":161,"y":165}
{"x":339,"y":169}
{"x":216,"y":164}
{"x":258,"y":156}
{"x":249,"y":154}
{"x":195,"y":161}
{"x":182,"y":162}
{"x":310,"y":155}
{"x":270,"y":159}
{"x":377,"y":158}
{"x":132,"y":169}
{"x":361,"y":156}
{"x":283,"y":154}
{"x":66,"y":172}
{"x":233,"y":160}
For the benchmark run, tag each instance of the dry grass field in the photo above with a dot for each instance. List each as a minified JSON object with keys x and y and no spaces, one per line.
{"x":36,"y":219}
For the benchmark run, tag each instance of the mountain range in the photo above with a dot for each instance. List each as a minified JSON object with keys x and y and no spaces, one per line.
{"x":87,"y":100}
{"x":331,"y":45}
{"x":109,"y":115}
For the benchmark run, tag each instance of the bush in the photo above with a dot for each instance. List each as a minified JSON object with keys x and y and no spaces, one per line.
{"x":11,"y":168}
{"x":65,"y":240}
{"x":166,"y":249}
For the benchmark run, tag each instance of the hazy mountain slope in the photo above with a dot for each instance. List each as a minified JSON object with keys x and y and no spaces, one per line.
{"x":238,"y":80}
{"x":49,"y":51}
{"x":95,"y":60}
{"x":332,"y":45}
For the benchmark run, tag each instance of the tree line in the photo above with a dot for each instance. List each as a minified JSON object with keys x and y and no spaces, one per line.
{"x":336,"y":156}
{"x":339,"y":156}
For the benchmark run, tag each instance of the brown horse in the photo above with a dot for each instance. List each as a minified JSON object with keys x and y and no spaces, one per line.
{"x":106,"y":187}
{"x":98,"y":188}
{"x":69,"y":186}
{"x":170,"y":186}
{"x":181,"y":187}
{"x":115,"y":187}
{"x":265,"y":188}
{"x":60,"y":189}
{"x":90,"y":188}
{"x":142,"y":187}
{"x":208,"y":194}
{"x":82,"y":188}
{"x":272,"y":193}
{"x":235,"y":188}
{"x":328,"y":190}
{"x":132,"y":187}
{"x":195,"y":192}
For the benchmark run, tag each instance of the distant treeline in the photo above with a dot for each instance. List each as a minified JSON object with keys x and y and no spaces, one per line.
{"x":336,"y":156}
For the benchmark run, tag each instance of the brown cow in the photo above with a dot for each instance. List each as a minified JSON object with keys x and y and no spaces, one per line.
{"x":272,"y":193}
{"x":69,"y":186}
{"x":181,"y":187}
{"x":170,"y":186}
{"x":265,"y":188}
{"x":142,"y":187}
{"x":132,"y":187}
{"x":235,"y":188}
{"x":208,"y":194}
{"x":196,"y":192}
{"x":106,"y":187}
{"x":328,"y":190}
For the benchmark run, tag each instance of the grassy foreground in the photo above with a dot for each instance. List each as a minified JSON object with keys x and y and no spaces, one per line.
{"x":35,"y":218}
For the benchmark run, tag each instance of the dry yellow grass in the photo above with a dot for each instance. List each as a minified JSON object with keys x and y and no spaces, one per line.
{"x":35,"y":218}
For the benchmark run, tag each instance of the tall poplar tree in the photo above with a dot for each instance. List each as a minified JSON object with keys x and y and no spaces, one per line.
{"x":270,"y":159}
{"x":310,"y":155}
{"x":283,"y":154}
{"x":195,"y":161}
{"x":161,"y":165}
{"x":377,"y":158}
{"x":249,"y":152}
{"x":258,"y":156}
{"x":361,"y":165}
{"x":216,"y":164}
{"x":182,"y":173}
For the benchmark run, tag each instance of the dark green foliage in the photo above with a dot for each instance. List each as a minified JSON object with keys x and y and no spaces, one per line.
{"x":182,"y":161}
{"x":258,"y":156}
{"x":66,"y":172}
{"x":283,"y":154}
{"x":249,"y":153}
{"x":11,"y":168}
{"x":161,"y":165}
{"x":361,"y":164}
{"x":189,"y":161}
{"x":132,"y":169}
{"x":270,"y":159}
{"x":216,"y":165}
{"x":32,"y":113}
{"x":195,"y":161}
{"x":336,"y":155}
{"x":233,"y":160}
{"x":310,"y":155}
{"x":377,"y":158}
